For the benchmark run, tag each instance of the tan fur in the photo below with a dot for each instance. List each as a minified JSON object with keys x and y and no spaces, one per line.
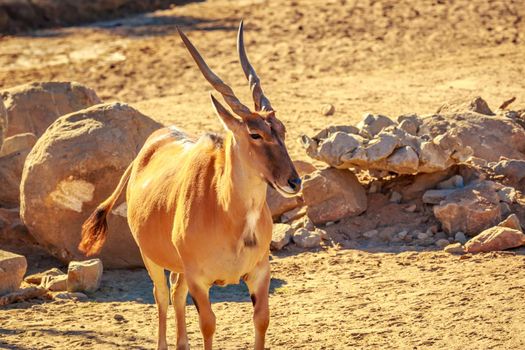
{"x":187,"y":208}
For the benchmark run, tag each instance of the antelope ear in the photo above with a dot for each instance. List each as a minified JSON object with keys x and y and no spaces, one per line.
{"x":227,"y":119}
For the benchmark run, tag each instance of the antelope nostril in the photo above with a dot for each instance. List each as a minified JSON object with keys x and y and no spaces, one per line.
{"x":295,"y":183}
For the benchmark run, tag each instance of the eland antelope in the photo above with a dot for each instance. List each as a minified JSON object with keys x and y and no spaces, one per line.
{"x":197,"y":207}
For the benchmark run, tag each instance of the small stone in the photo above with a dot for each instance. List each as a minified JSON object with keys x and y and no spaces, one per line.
{"x":55,"y":283}
{"x":37,"y":277}
{"x":422,"y":235}
{"x":442,"y":243}
{"x":411,"y":208}
{"x":455,"y":248}
{"x":396,"y":197}
{"x":441,"y":235}
{"x":387,"y":234}
{"x":281,"y":236}
{"x":328,"y":109}
{"x":409,"y":126}
{"x":296,"y":224}
{"x":427,"y":242}
{"x":307,"y":239}
{"x":293,"y":214}
{"x":84,"y":276}
{"x":511,"y":221}
{"x":436,"y":196}
{"x":12,"y":270}
{"x":402,"y":234}
{"x":370,"y":234}
{"x":308,"y":224}
{"x":372,"y":125}
{"x":455,"y":181}
{"x":118,"y":317}
{"x":69,"y":296}
{"x":322,"y":233}
{"x":460,"y":237}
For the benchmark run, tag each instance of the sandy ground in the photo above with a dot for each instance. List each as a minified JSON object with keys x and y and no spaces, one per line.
{"x":389,"y":57}
{"x":332,"y":299}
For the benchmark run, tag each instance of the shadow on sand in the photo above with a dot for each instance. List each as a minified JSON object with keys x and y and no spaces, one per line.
{"x":143,"y":25}
{"x":135,"y":285}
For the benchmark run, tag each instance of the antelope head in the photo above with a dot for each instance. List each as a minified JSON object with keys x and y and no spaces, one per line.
{"x":259,"y":133}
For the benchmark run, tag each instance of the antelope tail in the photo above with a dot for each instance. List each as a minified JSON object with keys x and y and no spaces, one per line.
{"x":95,"y":228}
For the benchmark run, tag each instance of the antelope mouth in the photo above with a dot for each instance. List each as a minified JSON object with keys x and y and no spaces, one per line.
{"x":285,"y":191}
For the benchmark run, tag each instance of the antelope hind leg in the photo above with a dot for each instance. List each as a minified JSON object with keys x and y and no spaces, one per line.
{"x":179,"y":292}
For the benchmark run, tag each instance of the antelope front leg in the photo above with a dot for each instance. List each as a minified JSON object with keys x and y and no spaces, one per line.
{"x":258,"y":282}
{"x":200,"y":296}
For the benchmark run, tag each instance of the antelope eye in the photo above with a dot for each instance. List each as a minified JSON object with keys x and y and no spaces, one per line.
{"x":256,"y":136}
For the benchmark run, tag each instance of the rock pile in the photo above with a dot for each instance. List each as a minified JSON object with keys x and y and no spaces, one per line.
{"x":419,"y":144}
{"x":58,"y":159}
{"x":82,"y":277}
{"x":452,"y":172}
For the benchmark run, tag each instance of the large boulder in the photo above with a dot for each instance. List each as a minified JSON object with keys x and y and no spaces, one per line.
{"x":12,"y":270}
{"x":488,"y":137}
{"x":74,"y":166}
{"x":332,"y":194}
{"x":279,"y":204}
{"x":33,"y":107}
{"x":471,"y":209}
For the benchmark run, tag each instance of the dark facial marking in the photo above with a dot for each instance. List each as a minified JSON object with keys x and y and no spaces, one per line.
{"x":254,"y":299}
{"x":250,"y":241}
{"x":195,"y":303}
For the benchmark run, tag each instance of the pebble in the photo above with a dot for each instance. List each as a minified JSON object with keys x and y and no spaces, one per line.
{"x":442,"y":243}
{"x":370,"y":234}
{"x":118,"y":317}
{"x":460,"y":237}
{"x":402,"y":234}
{"x":411,"y":208}
{"x":328,"y":109}
{"x":455,"y":248}
{"x":422,"y":235}
{"x":441,"y":235}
